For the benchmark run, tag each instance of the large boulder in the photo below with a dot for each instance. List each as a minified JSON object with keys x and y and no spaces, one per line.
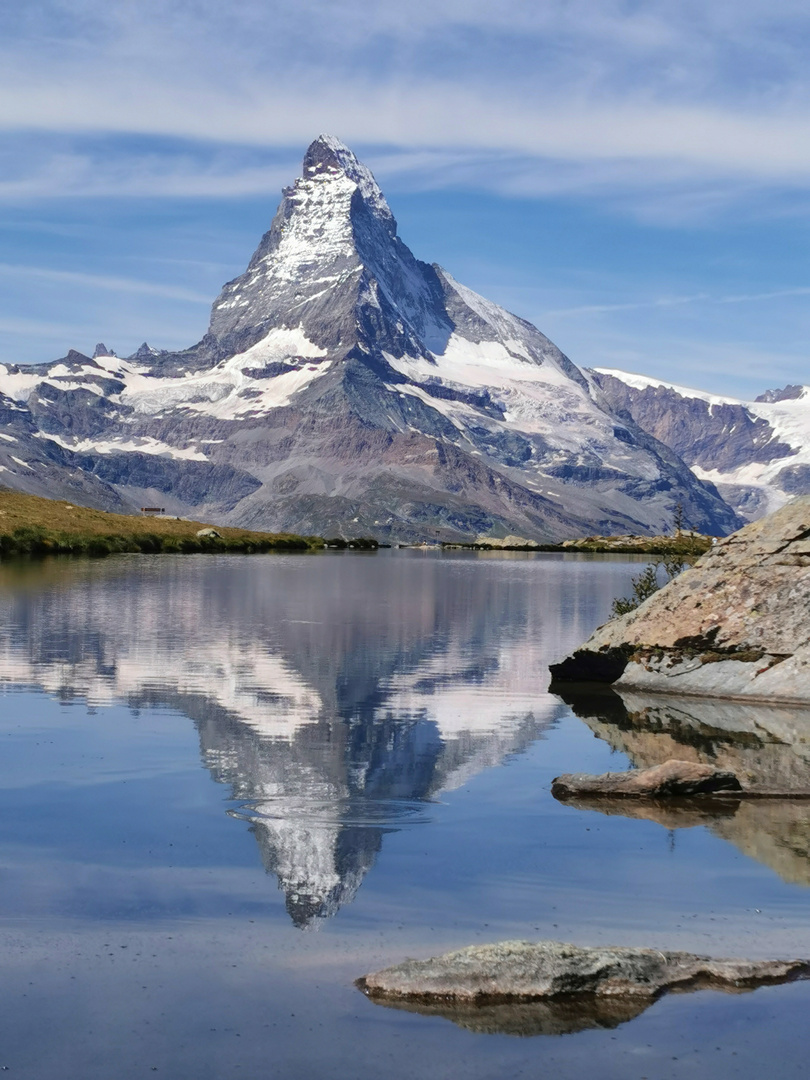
{"x":735,"y":625}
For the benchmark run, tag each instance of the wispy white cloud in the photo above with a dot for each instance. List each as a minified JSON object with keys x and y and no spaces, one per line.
{"x":103,"y":281}
{"x":690,"y":102}
{"x":680,"y":301}
{"x":33,"y":170}
{"x":691,"y":114}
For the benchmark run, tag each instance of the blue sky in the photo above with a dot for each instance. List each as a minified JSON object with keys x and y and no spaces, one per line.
{"x":631,"y":176}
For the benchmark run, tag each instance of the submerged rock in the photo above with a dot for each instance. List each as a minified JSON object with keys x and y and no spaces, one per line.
{"x":526,"y":970}
{"x":735,"y":625}
{"x":673,"y":778}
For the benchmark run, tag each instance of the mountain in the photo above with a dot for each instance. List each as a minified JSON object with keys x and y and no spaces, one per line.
{"x":756,"y":453}
{"x":344,"y":386}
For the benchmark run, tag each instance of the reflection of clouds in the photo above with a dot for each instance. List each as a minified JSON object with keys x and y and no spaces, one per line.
{"x":464,"y":691}
{"x":281,"y":641}
{"x":261,"y":689}
{"x":108,"y":638}
{"x":765,"y":746}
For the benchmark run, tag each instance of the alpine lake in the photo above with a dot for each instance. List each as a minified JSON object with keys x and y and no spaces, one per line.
{"x":232,"y":785}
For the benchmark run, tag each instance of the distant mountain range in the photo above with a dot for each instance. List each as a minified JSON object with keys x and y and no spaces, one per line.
{"x":756,"y":453}
{"x":344,"y":387}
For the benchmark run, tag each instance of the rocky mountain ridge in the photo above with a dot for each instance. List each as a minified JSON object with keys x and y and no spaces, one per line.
{"x":756,"y":453}
{"x":345,"y":387}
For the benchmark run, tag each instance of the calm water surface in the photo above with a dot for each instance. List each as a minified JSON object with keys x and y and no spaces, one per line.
{"x":230,"y":786}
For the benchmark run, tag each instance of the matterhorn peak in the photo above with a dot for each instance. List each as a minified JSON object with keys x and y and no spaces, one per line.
{"x":327,"y":158}
{"x":332,"y":252}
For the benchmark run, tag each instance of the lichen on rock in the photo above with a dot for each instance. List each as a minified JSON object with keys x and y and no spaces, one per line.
{"x":672,"y":779}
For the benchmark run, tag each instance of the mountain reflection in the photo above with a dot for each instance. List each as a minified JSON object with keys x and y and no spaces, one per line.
{"x":336,"y":697}
{"x":766,"y":746}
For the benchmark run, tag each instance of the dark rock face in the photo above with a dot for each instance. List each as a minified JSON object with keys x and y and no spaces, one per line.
{"x":345,"y":387}
{"x":787,"y":393}
{"x":525,"y":971}
{"x":794,"y":479}
{"x":671,"y":779}
{"x":584,"y":666}
{"x":715,"y":436}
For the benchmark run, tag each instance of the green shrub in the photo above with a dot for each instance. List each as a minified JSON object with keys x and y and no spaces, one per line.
{"x":98,"y":548}
{"x":643,"y":586}
{"x":648,"y":581}
{"x":31,"y":540}
{"x":148,"y":543}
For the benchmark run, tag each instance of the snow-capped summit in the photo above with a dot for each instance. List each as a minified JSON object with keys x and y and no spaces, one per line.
{"x":332,"y":264}
{"x":346,"y":387}
{"x":328,"y":157}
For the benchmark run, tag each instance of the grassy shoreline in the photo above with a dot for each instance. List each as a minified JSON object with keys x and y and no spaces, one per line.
{"x":34,"y":527}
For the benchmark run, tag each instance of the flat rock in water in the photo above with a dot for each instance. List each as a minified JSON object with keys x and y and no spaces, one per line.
{"x":671,"y":779}
{"x":524,"y":971}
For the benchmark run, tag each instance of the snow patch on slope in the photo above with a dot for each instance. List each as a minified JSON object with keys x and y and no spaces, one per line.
{"x":319,"y":233}
{"x":644,"y":382}
{"x":536,"y":399}
{"x":139,"y":445}
{"x":18,"y":385}
{"x":230,"y":390}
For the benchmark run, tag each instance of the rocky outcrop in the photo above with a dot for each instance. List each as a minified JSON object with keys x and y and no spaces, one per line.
{"x":735,"y":625}
{"x":526,"y":971}
{"x":673,"y":778}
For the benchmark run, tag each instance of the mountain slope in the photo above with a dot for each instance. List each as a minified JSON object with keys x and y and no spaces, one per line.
{"x":757,"y":453}
{"x":345,"y":386}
